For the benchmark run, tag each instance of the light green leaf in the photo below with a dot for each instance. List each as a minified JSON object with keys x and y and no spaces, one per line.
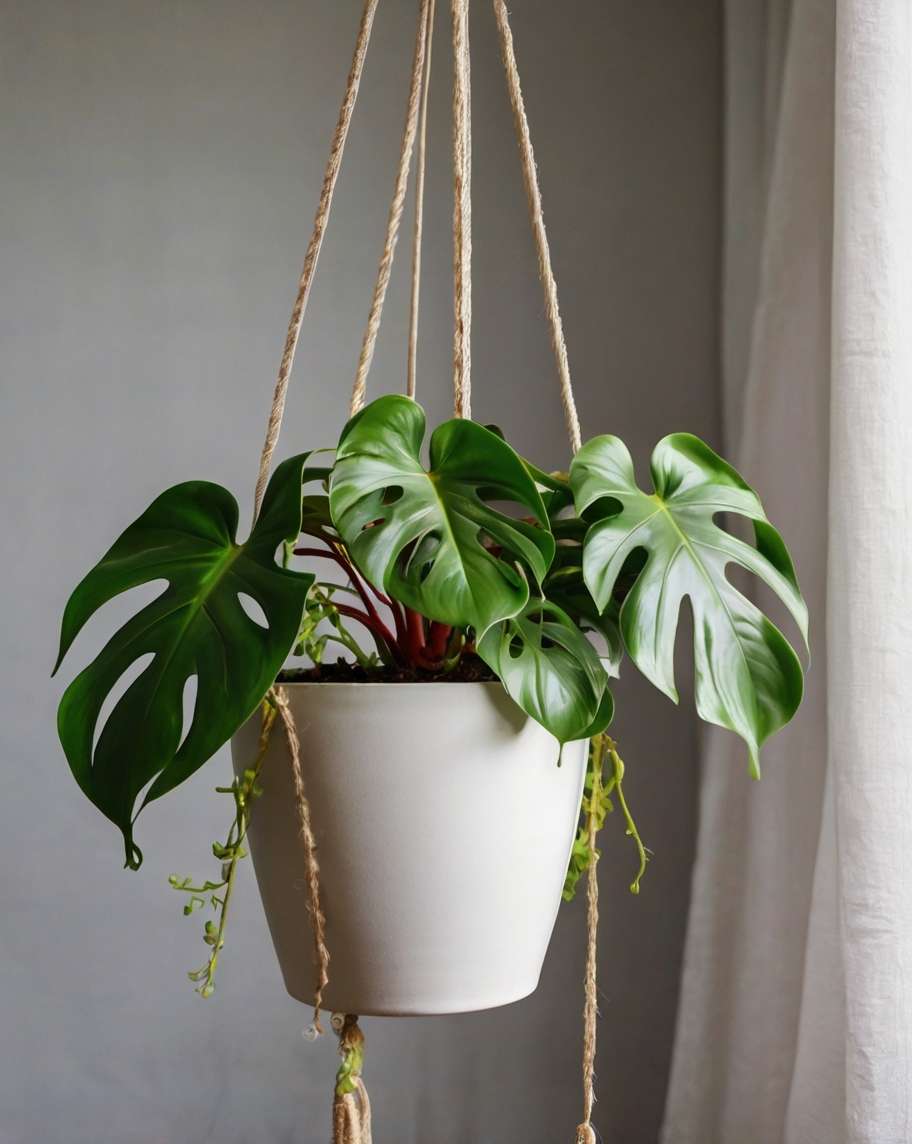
{"x":748,"y":677}
{"x":550,"y":670}
{"x":196,"y":627}
{"x":432,"y":538}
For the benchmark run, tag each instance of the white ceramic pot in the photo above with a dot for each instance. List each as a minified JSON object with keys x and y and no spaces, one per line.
{"x":444,"y":826}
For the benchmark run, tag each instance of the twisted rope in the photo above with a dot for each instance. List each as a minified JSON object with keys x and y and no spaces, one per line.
{"x":412,"y":382}
{"x":462,"y":211}
{"x":395,"y":214}
{"x":311,"y":863}
{"x":585,"y":1134}
{"x":536,"y":216}
{"x":351,"y":1109}
{"x":352,"y":1117}
{"x":330,"y":176}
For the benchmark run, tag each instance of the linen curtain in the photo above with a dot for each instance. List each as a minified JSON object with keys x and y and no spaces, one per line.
{"x":795,"y":1017}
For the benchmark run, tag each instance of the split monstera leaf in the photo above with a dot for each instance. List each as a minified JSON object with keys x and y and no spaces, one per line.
{"x":197,"y":628}
{"x":432,"y":537}
{"x":748,"y":677}
{"x":524,"y":566}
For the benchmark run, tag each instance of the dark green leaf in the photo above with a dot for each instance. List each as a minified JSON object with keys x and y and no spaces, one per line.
{"x":196,"y":627}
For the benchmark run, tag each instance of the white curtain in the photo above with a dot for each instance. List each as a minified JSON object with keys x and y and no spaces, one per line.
{"x":795,"y":1020}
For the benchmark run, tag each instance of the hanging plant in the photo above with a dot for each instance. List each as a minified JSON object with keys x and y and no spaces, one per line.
{"x":439,"y":583}
{"x":444,"y":766}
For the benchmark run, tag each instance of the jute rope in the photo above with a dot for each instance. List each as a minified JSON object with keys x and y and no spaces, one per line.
{"x":352,"y":1116}
{"x":462,"y":211}
{"x":330,"y":176}
{"x":351,"y":1108}
{"x":412,"y":380}
{"x":395,"y":214}
{"x":585,"y":1133}
{"x":311,"y":862}
{"x":533,"y":197}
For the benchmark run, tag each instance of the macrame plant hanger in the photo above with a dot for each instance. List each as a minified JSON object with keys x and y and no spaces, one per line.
{"x":351,"y":1106}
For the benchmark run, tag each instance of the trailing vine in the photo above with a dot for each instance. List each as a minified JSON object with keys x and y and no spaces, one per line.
{"x":597,"y":800}
{"x":244,"y":790}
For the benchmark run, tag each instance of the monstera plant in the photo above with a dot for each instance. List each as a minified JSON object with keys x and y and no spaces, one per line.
{"x":472,"y":564}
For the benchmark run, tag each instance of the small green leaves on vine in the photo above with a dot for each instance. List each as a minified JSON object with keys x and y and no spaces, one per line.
{"x":244,"y":790}
{"x":320,"y":608}
{"x":597,"y":801}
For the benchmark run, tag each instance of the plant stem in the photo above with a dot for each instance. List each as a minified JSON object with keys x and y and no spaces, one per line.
{"x":414,"y":622}
{"x":375,"y":626}
{"x":632,"y":831}
{"x":438,"y":640}
{"x":372,"y":620}
{"x":245,"y":791}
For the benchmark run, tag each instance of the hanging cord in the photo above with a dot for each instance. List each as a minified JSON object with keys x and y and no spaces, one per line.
{"x":395,"y":214}
{"x":533,"y":197}
{"x":585,"y":1133}
{"x":313,"y":250}
{"x":274,"y":425}
{"x":412,"y":382}
{"x":351,"y":1104}
{"x":462,"y":211}
{"x":311,"y":862}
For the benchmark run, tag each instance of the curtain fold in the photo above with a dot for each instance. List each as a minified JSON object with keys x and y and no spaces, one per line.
{"x":795,"y":1019}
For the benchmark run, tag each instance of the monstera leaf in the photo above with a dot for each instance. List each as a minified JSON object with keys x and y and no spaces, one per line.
{"x":550,"y":670}
{"x":565,"y":587}
{"x":197,"y":628}
{"x":748,"y":677}
{"x":433,"y":538}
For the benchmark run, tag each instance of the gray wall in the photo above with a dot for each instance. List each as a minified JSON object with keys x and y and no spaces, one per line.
{"x":160,"y":167}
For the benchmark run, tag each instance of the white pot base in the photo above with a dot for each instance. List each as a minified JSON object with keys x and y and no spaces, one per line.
{"x":444,"y":827}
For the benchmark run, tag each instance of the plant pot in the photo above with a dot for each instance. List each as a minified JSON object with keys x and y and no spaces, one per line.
{"x":444,"y":827}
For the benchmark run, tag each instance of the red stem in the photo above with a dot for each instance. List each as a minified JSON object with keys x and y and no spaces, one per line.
{"x":415,"y":633}
{"x":438,"y":639}
{"x":412,"y":643}
{"x":375,"y":626}
{"x":357,"y":584}
{"x":399,"y":620}
{"x":372,"y":620}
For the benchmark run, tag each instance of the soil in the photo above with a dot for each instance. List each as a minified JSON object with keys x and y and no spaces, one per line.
{"x":470,"y":669}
